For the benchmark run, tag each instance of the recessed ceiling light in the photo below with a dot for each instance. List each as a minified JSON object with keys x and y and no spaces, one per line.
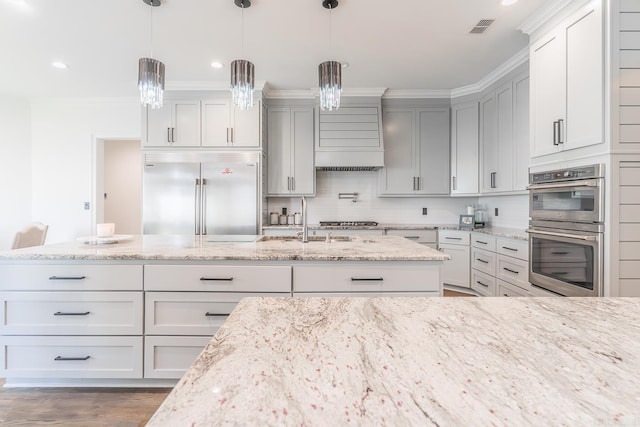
{"x":59,"y":64}
{"x":20,"y":4}
{"x":216,"y":65}
{"x":508,"y":2}
{"x":345,"y":65}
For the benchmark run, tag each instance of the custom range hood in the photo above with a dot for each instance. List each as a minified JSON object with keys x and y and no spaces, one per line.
{"x":350,"y":138}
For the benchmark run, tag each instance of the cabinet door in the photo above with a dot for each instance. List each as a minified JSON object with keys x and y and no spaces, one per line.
{"x":279,"y":151}
{"x":186,"y":123}
{"x":456,"y":271}
{"x":464,"y":149}
{"x":548,"y":92}
{"x":433,"y":151}
{"x":503,"y":179}
{"x":158,"y":126}
{"x":585,"y":80}
{"x":488,"y":142}
{"x":216,"y":131}
{"x":398,"y":177}
{"x":245,"y":127}
{"x":303,"y":169}
{"x":521,"y":132}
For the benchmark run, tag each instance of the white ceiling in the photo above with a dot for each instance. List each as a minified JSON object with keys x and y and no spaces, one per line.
{"x":409,"y":44}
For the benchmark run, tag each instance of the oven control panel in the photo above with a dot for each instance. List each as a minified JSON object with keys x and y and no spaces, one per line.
{"x":584,"y":172}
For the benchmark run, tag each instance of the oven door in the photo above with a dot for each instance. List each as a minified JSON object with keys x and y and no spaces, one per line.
{"x":576,"y":201}
{"x":566,"y":262}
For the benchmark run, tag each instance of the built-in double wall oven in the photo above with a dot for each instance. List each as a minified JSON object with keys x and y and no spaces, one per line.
{"x":566,"y":227}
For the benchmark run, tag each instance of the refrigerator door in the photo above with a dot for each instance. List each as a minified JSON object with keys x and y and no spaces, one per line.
{"x":230,"y":197}
{"x":170,"y":198}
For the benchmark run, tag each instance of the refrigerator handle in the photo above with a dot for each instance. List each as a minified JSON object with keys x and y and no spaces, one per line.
{"x":204,"y":207}
{"x":196,"y":208}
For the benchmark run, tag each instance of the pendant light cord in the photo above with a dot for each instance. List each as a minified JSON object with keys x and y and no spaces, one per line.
{"x":242,"y":26}
{"x":151,"y":28}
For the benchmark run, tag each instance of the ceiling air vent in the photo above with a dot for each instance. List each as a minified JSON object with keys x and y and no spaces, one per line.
{"x":482,"y":26}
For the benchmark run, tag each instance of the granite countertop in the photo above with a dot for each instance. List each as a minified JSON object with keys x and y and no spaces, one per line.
{"x":185,"y":248}
{"x":416,"y":361}
{"x":512,"y":233}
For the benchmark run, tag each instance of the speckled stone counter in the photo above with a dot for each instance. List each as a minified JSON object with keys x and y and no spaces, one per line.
{"x":211,"y":248}
{"x":416,"y":361}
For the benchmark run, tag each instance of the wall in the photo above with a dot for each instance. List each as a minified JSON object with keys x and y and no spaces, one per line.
{"x":513,"y":211}
{"x":327,"y":206}
{"x":15,"y":168}
{"x":123,"y":186}
{"x":63,"y":140}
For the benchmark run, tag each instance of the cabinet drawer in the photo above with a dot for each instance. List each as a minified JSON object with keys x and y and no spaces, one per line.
{"x":483,"y":241}
{"x":483,"y":261}
{"x":71,"y":357}
{"x":190,"y":313}
{"x":420,"y":236}
{"x":508,"y":290}
{"x":483,"y":283}
{"x":70,"y":277}
{"x":71,"y":313}
{"x":454,"y":237}
{"x":170,"y":357}
{"x":373,"y":278}
{"x":214,"y":278}
{"x":515,"y":248}
{"x":513,"y":270}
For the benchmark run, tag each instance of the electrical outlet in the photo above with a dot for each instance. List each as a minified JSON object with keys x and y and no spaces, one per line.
{"x":496,"y":212}
{"x":86,"y":206}
{"x":424,"y":211}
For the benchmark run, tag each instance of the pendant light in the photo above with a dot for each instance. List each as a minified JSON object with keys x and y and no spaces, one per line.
{"x":151,"y":72}
{"x":330,"y":73}
{"x":242,"y":72}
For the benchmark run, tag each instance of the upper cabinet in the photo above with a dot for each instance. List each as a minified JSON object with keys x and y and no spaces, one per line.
{"x":567,"y":84}
{"x":416,"y":156}
{"x":202,"y":122}
{"x":290,"y":168}
{"x":504,"y":137}
{"x":464,"y":148}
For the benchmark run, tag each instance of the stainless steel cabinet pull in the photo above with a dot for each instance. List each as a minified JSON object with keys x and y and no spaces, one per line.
{"x":214,"y":314}
{"x":509,"y":249}
{"x":555,"y":133}
{"x":58,"y":358}
{"x":453,"y":238}
{"x":481,"y":242}
{"x":493,"y":179}
{"x":367,"y":279}
{"x":414,"y":182}
{"x":559,"y":253}
{"x":227,"y":135}
{"x":560,"y":131}
{"x":412,"y":237}
{"x":418,"y":183}
{"x":216,"y":279}
{"x":453,"y":182}
{"x":173,"y":134}
{"x":510,"y":270}
{"x":67,"y":277}
{"x":482,"y":261}
{"x":293,"y":183}
{"x":60,"y":313}
{"x":168,"y":134}
{"x":480,"y":283}
{"x":232,"y":138}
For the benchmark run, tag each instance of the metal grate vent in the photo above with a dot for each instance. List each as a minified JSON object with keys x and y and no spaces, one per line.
{"x":347,"y":168}
{"x":482,"y":26}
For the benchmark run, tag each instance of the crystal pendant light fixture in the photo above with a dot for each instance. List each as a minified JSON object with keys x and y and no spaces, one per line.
{"x":151,"y":73}
{"x":242,"y":72}
{"x":330,"y":73}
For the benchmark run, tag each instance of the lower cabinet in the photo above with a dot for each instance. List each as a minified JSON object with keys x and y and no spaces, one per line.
{"x":171,"y":356}
{"x":455,"y":243}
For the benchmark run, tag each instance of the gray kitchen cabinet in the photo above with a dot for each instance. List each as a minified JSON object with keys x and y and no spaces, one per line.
{"x":177,"y":124}
{"x":567,"y":84}
{"x":457,"y":270}
{"x":504,"y":137}
{"x":416,"y":157}
{"x":464,"y":149}
{"x":224,"y":125}
{"x":424,"y":237}
{"x":290,"y":145}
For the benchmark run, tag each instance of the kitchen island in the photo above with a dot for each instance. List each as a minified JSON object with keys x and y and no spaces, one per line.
{"x":416,"y":361}
{"x":138,"y":312}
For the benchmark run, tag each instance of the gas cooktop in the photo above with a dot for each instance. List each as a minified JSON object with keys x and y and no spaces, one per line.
{"x":349,"y":223}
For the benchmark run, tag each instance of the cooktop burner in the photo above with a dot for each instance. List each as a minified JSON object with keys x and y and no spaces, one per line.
{"x":349,"y":223}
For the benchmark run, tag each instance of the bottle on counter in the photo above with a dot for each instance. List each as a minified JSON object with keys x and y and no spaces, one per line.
{"x":290,"y":219}
{"x":297,"y":218}
{"x":283,"y":219}
{"x":274,"y":217}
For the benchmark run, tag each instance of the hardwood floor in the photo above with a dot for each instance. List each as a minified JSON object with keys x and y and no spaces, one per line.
{"x":448,"y":293}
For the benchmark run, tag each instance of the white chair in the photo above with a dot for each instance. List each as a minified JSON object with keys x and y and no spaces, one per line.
{"x":33,"y":234}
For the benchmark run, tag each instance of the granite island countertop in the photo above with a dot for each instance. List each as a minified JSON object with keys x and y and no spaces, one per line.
{"x":242,"y":248}
{"x":416,"y":361}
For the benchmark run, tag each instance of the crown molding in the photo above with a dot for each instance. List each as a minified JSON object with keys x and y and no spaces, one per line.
{"x":204,"y":85}
{"x":371,"y":91}
{"x":417,"y":94}
{"x":287,"y":94}
{"x":541,"y":16}
{"x":504,"y":68}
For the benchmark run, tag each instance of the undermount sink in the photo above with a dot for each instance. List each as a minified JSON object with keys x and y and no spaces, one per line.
{"x":332,"y":239}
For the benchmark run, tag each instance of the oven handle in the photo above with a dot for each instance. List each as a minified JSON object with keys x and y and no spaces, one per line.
{"x":568,"y":236}
{"x":563,"y":185}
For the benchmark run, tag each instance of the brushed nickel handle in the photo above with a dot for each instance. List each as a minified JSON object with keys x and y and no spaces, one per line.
{"x":510,"y":270}
{"x":509,"y":249}
{"x":215,"y":314}
{"x":216,"y":279}
{"x":482,"y":261}
{"x":61,"y":313}
{"x":480,"y":283}
{"x":367,"y":279}
{"x":67,"y":277}
{"x":59,"y":358}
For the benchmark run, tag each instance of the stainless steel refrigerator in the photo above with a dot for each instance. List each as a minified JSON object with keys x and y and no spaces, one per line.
{"x":201,"y":193}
